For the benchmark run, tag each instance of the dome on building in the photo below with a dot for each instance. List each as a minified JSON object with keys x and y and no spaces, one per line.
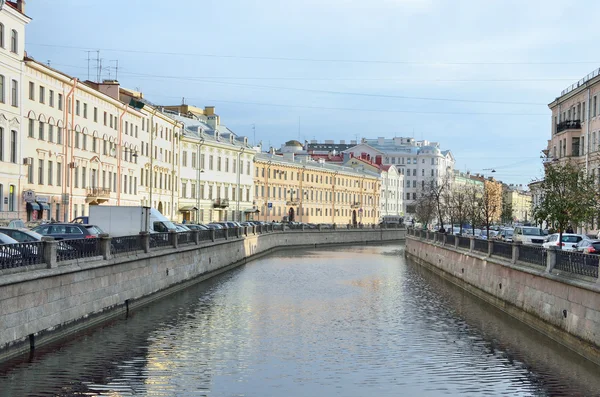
{"x":294,"y":143}
{"x":292,"y":146}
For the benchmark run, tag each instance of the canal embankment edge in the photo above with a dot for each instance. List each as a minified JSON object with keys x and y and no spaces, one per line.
{"x":567,"y":311}
{"x":46,"y":306}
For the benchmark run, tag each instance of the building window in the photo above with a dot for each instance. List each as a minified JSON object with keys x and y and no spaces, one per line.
{"x":14,"y":93}
{"x":42,"y":94}
{"x":14,"y":41}
{"x":51,"y":98}
{"x":30,"y":171}
{"x":12,"y":198}
{"x":58,"y":174}
{"x":50,"y":171}
{"x":31,"y":128}
{"x":59,"y":136}
{"x":2,"y":96}
{"x":13,"y":146}
{"x":50,"y":133}
{"x":594,"y":106}
{"x":60,"y":102}
{"x":32,"y":91}
{"x":210,"y":162}
{"x":85,"y":107}
{"x":1,"y":146}
{"x":77,"y":107}
{"x":1,"y":35}
{"x":40,"y":172}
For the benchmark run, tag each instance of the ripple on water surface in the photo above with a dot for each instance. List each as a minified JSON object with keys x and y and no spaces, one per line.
{"x":348,"y":322}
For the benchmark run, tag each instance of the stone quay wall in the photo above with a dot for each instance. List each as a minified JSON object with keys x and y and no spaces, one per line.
{"x":47,"y":303}
{"x":559,"y":304}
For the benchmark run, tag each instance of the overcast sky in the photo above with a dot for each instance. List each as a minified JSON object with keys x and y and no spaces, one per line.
{"x":475,"y":76}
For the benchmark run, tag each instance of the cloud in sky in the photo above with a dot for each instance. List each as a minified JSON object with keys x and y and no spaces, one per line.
{"x":509,"y":51}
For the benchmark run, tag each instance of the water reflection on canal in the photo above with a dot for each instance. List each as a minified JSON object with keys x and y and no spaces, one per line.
{"x":347,"y":322}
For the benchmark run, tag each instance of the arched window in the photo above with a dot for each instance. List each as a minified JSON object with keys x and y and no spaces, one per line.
{"x":14,"y":41}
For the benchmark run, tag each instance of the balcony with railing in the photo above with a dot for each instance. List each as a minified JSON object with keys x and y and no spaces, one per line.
{"x":568,"y":125}
{"x":221,"y":203}
{"x":97,"y":195}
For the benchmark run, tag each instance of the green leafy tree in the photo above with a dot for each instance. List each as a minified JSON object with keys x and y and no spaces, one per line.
{"x":569,"y":196}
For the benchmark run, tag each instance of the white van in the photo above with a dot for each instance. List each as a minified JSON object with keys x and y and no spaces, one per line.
{"x":529,"y":235}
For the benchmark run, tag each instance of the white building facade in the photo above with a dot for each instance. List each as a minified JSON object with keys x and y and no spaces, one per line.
{"x":392,"y":187}
{"x":12,"y":44}
{"x":216,"y":168}
{"x":420,"y":162}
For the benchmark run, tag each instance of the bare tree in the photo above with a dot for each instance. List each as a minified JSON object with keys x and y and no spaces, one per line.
{"x":491,"y":204}
{"x":425,"y":209}
{"x":459,"y":204}
{"x":473,"y":206}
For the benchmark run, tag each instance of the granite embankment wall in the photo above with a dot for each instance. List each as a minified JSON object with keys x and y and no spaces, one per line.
{"x":562,"y":306}
{"x":43,"y":305}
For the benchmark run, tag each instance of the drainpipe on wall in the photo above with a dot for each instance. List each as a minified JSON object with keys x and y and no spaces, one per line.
{"x":119,"y":153}
{"x":173,"y":173}
{"x":67,"y":171}
{"x":587,"y":133}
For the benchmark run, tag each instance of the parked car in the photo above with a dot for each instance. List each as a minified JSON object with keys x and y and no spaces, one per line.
{"x":12,"y":224}
{"x":21,"y":235}
{"x":180,"y":227}
{"x":194,"y":226}
{"x":4,"y":239}
{"x":569,"y":241}
{"x":214,"y":226}
{"x":68,"y":231}
{"x":588,"y":246}
{"x":484,"y":235}
{"x":506,"y":235}
{"x":529,"y":235}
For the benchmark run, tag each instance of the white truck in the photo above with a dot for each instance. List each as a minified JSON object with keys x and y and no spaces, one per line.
{"x":127,"y":221}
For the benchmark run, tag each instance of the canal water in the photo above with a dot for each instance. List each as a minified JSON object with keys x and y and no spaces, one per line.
{"x":358,"y":321}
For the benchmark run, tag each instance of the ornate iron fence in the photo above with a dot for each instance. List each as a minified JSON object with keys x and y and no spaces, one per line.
{"x":220,"y":234}
{"x":578,"y":263}
{"x":22,"y":254}
{"x":481,"y":245}
{"x":464,"y":242}
{"x":185,"y":238}
{"x":533,"y":255}
{"x":158,"y":240}
{"x":502,"y":249}
{"x":126,"y":244}
{"x":205,"y":235}
{"x":450,"y":238}
{"x":78,"y":249}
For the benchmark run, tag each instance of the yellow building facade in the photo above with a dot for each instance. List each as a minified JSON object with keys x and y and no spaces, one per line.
{"x":521,"y":204}
{"x":301,"y":190}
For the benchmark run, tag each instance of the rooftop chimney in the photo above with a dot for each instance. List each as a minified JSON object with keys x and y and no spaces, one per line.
{"x":21,"y":6}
